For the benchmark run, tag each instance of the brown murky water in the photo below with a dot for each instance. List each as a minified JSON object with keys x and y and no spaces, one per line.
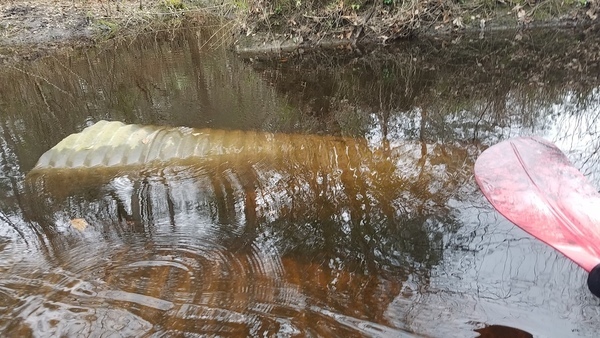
{"x":392,"y":239}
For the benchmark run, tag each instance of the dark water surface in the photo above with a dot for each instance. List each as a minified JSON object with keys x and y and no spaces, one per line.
{"x":393,"y":241}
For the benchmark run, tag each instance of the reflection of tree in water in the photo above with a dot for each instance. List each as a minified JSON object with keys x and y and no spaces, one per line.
{"x":472,"y":94}
{"x":11,"y":187}
{"x":346,"y":237}
{"x":166,"y":78}
{"x":576,"y":131}
{"x":467,"y":89}
{"x":357,"y":221}
{"x":370,"y":205}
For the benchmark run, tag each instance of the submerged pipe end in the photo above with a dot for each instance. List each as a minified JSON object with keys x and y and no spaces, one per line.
{"x":593,"y":281}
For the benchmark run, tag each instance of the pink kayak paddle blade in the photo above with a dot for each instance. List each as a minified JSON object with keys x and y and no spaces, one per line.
{"x":533,"y":184}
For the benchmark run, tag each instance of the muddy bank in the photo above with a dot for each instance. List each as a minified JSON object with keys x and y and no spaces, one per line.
{"x":272,"y":27}
{"x":32,"y":28}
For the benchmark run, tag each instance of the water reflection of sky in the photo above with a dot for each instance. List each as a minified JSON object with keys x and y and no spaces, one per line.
{"x":504,"y":267}
{"x":576,"y":131}
{"x":492,"y":271}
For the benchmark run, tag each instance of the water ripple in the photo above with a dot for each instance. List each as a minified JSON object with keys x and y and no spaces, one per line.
{"x":196,"y":285}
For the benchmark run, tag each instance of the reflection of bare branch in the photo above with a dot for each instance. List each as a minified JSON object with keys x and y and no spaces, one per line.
{"x":43,"y":79}
{"x":483,"y":111}
{"x":16,"y":228}
{"x":41,"y":92}
{"x":5,"y":162}
{"x":592,"y":154}
{"x":67,"y":69}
